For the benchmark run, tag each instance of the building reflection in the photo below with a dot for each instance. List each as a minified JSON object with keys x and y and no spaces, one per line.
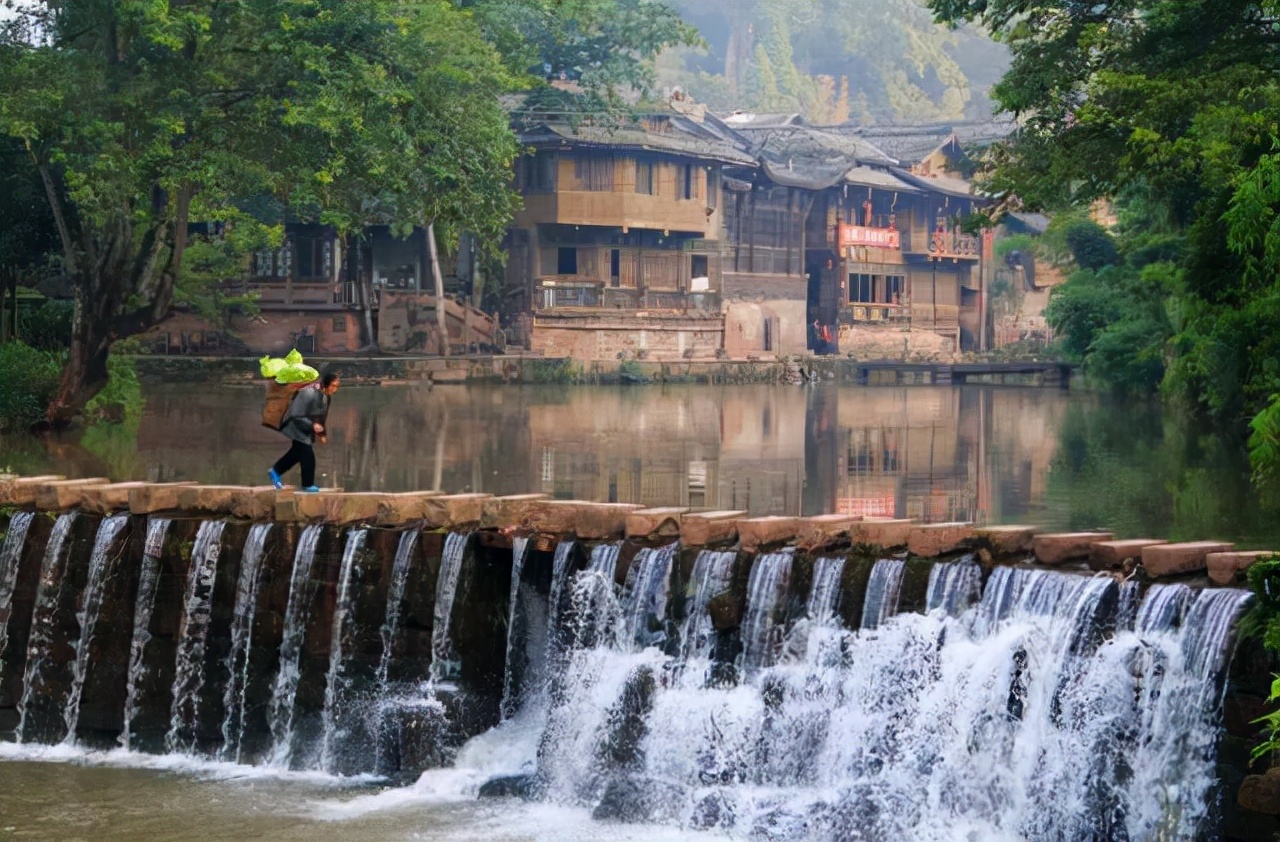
{"x":938,"y":454}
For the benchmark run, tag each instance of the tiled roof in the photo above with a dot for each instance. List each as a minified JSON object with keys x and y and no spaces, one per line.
{"x":912,"y":144}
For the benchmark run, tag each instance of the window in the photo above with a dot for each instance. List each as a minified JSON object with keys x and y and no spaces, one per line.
{"x":310,"y":251}
{"x":593,"y":172}
{"x":689,"y":181}
{"x":895,"y":289}
{"x":615,"y":266}
{"x":861,"y":288}
{"x":713,"y":189}
{"x":698,"y":266}
{"x":566,"y":261}
{"x":644,"y":177}
{"x":539,"y":173}
{"x":340,"y":324}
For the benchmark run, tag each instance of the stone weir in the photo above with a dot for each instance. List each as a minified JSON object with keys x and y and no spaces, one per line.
{"x":376,"y":633}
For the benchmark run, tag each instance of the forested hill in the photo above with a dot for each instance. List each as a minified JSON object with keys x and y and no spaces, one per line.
{"x":872,"y":61}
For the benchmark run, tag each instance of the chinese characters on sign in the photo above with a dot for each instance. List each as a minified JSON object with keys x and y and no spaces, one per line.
{"x":862,"y":235}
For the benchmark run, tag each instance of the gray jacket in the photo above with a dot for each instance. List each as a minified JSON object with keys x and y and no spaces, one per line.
{"x":308,"y":407}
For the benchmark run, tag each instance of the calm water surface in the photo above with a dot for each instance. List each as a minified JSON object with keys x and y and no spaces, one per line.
{"x":1056,"y":459}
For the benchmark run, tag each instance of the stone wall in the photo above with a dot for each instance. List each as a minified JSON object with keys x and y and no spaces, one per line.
{"x":491,"y":524}
{"x":607,"y":336}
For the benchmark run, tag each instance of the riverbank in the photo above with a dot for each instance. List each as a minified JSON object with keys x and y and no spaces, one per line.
{"x":513,"y":368}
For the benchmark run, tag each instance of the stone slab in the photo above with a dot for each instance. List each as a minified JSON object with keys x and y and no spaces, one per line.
{"x":209,"y":499}
{"x":757,"y":532}
{"x":883,"y":532}
{"x":1006,"y":539}
{"x":663,"y":522}
{"x":105,"y":499}
{"x":585,"y":519}
{"x":930,"y":540}
{"x":155,"y":497}
{"x":455,"y":510}
{"x":59,"y":494}
{"x":1161,"y":560}
{"x":404,"y":507}
{"x":1229,"y":568}
{"x":701,"y":528}
{"x":1109,"y":555}
{"x":21,"y":491}
{"x":822,"y":531}
{"x":512,"y":510}
{"x":341,"y":508}
{"x":1060,"y":547}
{"x":286,"y":507}
{"x":257,"y":503}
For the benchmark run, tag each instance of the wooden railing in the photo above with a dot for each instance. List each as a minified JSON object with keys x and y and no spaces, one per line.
{"x":557,"y":293}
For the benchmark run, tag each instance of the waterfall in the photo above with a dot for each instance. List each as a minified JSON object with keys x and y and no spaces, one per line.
{"x":645,"y":594}
{"x":144,"y":604}
{"x":559,"y":573}
{"x":233,"y":701}
{"x":444,"y":661}
{"x":52,"y":575}
{"x":761,"y":626}
{"x":87,"y":616}
{"x":1127,"y":612}
{"x":1163,"y":607}
{"x":954,"y":585}
{"x":400,"y":569}
{"x":711,"y":573}
{"x":337,"y":688}
{"x":1021,"y":717}
{"x":297,"y":613}
{"x":604,"y":560}
{"x":193,"y":637}
{"x":519,"y":549}
{"x":883,"y":588}
{"x":15,"y":540}
{"x":824,"y":593}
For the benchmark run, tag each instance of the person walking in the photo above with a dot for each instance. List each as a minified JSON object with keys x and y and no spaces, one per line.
{"x":304,"y":423}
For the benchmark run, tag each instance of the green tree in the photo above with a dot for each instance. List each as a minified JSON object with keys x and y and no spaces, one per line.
{"x":1178,"y":102}
{"x":140,"y":116}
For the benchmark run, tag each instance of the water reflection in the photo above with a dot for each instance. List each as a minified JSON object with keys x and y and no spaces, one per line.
{"x":991,"y":455}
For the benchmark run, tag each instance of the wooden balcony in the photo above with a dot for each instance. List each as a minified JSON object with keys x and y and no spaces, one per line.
{"x":871,"y":313}
{"x":274,"y":293}
{"x":955,"y":245}
{"x":619,"y":209}
{"x":929,"y":316}
{"x":559,"y":293}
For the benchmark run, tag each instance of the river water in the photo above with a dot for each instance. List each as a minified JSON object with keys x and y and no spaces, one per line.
{"x":1058,"y":459}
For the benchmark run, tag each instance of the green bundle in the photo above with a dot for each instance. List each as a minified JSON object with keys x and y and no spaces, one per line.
{"x":289,"y":369}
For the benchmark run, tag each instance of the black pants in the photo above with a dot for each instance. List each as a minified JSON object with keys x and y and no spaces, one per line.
{"x":302,"y":454}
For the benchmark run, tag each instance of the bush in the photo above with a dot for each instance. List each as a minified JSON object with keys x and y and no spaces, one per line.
{"x":28,"y":380}
{"x":121,"y":400}
{"x":48,"y":327}
{"x":1090,"y":244}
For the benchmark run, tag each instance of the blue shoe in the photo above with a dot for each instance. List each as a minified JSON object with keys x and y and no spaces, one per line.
{"x":275,"y":478}
{"x":310,"y":488}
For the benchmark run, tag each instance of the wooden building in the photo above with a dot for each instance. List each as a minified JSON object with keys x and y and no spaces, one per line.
{"x":617,"y":251}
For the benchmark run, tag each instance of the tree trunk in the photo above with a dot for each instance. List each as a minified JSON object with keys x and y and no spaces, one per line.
{"x":364,"y":288}
{"x":85,"y":373}
{"x":441,"y":320}
{"x":125,"y":273}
